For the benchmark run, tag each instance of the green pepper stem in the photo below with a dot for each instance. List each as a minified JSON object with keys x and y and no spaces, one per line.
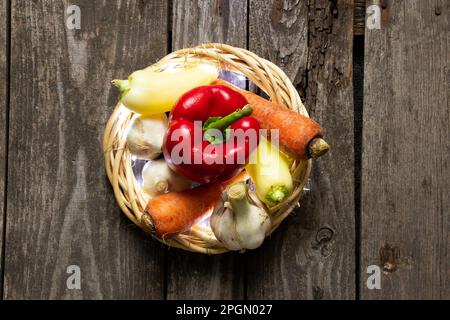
{"x":224,"y":122}
{"x":277,"y":194}
{"x":122,"y":85}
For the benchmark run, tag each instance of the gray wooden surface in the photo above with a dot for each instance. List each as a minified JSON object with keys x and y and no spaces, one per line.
{"x":4,"y":48}
{"x":312,"y":257}
{"x":406,"y":147}
{"x":60,"y":209}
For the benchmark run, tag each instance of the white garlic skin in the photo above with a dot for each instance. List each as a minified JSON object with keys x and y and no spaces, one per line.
{"x":252,"y":228}
{"x":223,"y":225}
{"x":158,"y":178}
{"x":146,"y":135}
{"x":239,"y":224}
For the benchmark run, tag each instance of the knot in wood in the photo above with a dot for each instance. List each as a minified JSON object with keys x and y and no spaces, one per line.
{"x":317,"y":293}
{"x":322,"y":242}
{"x":324,"y":234}
{"x":437,"y":11}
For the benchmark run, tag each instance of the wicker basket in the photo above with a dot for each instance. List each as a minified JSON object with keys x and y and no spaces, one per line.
{"x":118,"y":161}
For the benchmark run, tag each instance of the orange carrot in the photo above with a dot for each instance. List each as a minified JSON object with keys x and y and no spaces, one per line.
{"x":296,"y":132}
{"x":175,"y":212}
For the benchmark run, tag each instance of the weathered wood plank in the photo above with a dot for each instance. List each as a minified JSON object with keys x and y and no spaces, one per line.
{"x":197,"y":21}
{"x":405,"y":162}
{"x":4,"y":89}
{"x":195,"y":276}
{"x":61,"y":210}
{"x":312,"y":255}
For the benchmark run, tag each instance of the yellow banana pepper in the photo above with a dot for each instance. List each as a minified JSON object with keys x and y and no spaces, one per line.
{"x":148,"y":92}
{"x":269,"y":170}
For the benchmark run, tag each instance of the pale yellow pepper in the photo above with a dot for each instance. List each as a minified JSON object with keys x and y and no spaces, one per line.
{"x":148,"y":92}
{"x":269,"y":170}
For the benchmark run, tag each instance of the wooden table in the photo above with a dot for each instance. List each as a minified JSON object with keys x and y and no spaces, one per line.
{"x":379,"y":197}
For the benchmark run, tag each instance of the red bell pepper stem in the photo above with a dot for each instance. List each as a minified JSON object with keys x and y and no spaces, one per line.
{"x":224,"y":122}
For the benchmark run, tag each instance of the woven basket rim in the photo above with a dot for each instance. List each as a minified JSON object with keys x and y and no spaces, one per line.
{"x":118,"y":160}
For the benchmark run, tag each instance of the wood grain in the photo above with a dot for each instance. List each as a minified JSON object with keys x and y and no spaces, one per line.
{"x":60,"y":207}
{"x":405,"y":160}
{"x":312,"y":255}
{"x":195,"y":276}
{"x":4,"y":91}
{"x":197,"y":21}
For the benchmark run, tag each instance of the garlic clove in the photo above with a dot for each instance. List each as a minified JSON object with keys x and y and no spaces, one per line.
{"x":146,"y":134}
{"x":158,"y":178}
{"x":223,"y":225}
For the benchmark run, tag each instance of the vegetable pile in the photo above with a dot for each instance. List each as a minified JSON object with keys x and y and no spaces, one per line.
{"x":213,"y":152}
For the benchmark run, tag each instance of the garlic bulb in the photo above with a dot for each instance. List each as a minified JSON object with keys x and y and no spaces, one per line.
{"x":158,"y":178}
{"x":237,"y":221}
{"x":145,"y":136}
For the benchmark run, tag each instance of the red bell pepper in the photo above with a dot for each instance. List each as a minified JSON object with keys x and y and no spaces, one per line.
{"x":211,"y":134}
